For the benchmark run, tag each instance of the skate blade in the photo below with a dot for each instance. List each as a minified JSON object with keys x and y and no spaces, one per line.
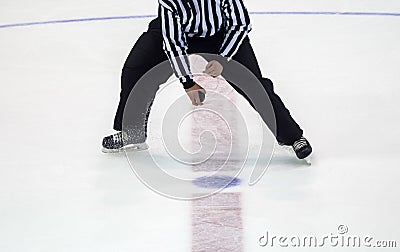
{"x":136,"y":147}
{"x":307,"y":160}
{"x":290,"y":150}
{"x":105,"y":150}
{"x":130,"y":147}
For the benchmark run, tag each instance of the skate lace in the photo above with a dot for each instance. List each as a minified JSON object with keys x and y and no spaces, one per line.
{"x":302,"y":142}
{"x":117,"y":138}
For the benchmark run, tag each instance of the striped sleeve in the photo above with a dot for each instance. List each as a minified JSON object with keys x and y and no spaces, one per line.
{"x":175,"y":44}
{"x":237,"y":25}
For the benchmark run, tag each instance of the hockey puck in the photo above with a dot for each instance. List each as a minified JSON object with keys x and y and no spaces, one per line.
{"x":202,"y":96}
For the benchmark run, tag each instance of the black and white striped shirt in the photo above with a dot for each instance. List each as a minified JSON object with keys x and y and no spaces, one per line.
{"x":201,"y":18}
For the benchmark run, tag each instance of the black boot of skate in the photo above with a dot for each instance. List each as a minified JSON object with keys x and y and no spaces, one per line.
{"x":116,"y":143}
{"x":302,"y":148}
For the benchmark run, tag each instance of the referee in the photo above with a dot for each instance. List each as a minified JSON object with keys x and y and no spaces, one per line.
{"x":185,"y":27}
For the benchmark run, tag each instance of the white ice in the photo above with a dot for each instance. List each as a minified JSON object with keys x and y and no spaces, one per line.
{"x":338,"y":74}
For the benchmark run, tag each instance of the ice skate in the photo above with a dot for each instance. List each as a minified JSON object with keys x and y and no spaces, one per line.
{"x":116,"y":143}
{"x":303,"y":149}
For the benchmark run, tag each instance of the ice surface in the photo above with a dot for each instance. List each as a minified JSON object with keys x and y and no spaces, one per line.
{"x":338,"y":75}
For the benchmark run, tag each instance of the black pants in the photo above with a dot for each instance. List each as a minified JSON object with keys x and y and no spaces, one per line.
{"x":148,"y":52}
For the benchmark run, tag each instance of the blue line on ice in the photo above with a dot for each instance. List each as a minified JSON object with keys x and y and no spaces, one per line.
{"x":79,"y":20}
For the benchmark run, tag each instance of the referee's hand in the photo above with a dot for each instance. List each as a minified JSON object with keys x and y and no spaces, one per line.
{"x":214,"y":68}
{"x":194,"y":94}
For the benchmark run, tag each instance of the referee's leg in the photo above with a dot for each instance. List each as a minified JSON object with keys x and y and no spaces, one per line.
{"x":287,"y":130}
{"x":145,"y":54}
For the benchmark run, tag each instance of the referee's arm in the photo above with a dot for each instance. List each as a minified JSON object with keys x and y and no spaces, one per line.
{"x":237,"y":27}
{"x":175,"y":44}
